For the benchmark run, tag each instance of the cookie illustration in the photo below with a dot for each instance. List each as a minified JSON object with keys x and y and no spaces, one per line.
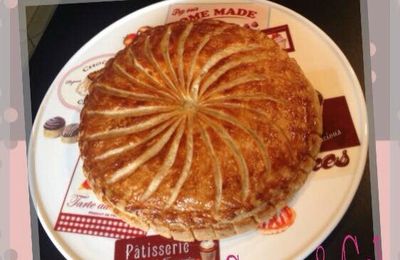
{"x":70,"y":133}
{"x":54,"y":127}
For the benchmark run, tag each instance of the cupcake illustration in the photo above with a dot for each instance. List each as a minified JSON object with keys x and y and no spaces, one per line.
{"x":70,"y":133}
{"x":54,"y":127}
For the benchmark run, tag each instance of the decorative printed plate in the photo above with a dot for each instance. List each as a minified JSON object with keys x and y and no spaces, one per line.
{"x":82,"y":227}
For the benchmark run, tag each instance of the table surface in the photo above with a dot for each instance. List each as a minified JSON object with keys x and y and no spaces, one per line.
{"x":74,"y":24}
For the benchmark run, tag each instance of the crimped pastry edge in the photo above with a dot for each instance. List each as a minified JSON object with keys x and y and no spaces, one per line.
{"x":223,"y":230}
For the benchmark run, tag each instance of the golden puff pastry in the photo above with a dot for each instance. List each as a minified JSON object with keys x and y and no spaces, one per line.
{"x":199,"y":130}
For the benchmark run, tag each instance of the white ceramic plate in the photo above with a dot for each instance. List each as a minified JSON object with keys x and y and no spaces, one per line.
{"x":319,"y":205}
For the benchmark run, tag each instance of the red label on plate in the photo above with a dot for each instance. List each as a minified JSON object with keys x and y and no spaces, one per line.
{"x":339,"y":131}
{"x":252,"y":15}
{"x":160,"y":248}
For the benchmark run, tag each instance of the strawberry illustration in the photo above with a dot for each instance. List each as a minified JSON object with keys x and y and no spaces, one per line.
{"x":275,"y":35}
{"x":85,"y":185}
{"x":278,"y":223}
{"x":129,"y":39}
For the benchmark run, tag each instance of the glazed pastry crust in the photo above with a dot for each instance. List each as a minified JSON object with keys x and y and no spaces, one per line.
{"x":199,"y":130}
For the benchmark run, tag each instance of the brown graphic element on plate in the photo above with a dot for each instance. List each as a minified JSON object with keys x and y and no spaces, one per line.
{"x":159,"y":248}
{"x":331,"y":160}
{"x":339,"y":131}
{"x":278,"y":223}
{"x":54,"y":127}
{"x":281,"y":35}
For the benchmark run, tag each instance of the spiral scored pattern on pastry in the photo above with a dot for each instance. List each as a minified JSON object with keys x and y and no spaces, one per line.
{"x":199,"y":130}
